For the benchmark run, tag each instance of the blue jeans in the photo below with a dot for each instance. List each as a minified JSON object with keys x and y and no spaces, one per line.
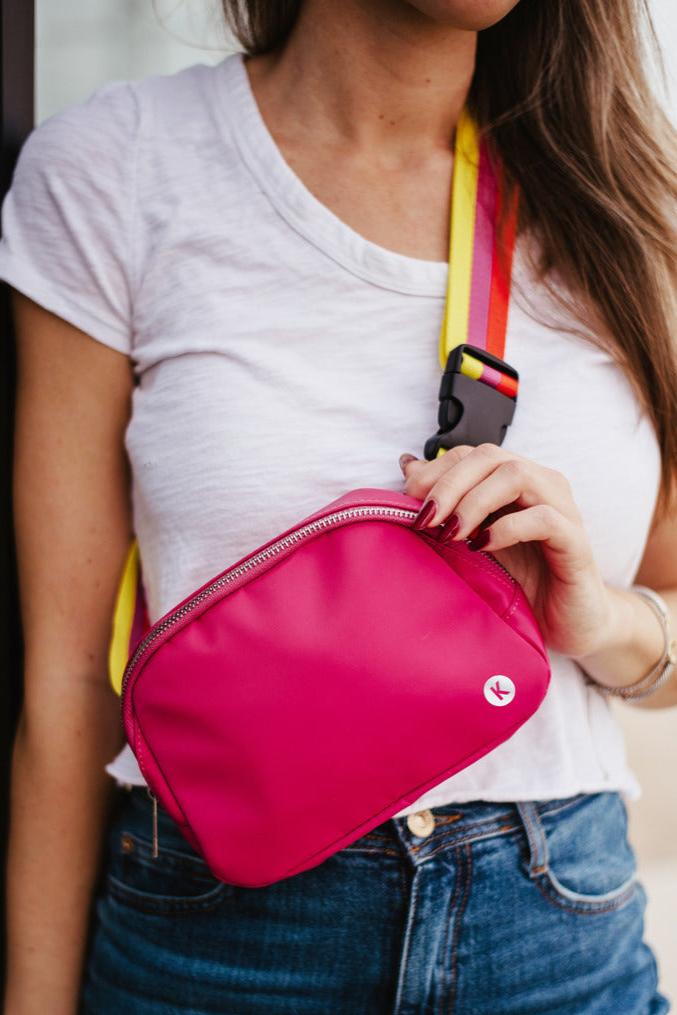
{"x":496,"y":909}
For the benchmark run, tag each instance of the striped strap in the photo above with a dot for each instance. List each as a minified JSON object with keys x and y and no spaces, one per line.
{"x":476,"y":313}
{"x":480,"y":261}
{"x":130,"y":617}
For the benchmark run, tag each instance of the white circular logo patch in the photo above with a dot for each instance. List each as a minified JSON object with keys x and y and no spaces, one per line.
{"x":499,"y":690}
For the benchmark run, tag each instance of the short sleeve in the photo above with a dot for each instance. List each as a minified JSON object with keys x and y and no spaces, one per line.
{"x":67,"y":219}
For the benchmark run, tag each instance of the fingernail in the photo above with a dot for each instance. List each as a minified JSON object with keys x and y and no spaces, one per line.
{"x":405,"y":459}
{"x":480,"y":541}
{"x":450,"y":527}
{"x":428,"y":510}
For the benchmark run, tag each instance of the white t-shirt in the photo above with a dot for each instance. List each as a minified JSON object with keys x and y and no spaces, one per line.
{"x":282,"y":359}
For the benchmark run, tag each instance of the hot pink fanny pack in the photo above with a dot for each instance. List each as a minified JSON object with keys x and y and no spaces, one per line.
{"x":288,"y":705}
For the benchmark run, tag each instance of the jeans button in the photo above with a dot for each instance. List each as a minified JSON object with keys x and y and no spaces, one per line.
{"x":421,"y":823}
{"x":126,"y":843}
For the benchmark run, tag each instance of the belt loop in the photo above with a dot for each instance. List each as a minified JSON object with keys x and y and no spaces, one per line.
{"x":538,"y":847}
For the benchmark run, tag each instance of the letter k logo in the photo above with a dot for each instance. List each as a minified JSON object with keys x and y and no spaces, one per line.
{"x":499,"y":690}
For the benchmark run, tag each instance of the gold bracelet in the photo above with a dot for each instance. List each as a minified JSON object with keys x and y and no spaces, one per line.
{"x":659,"y":674}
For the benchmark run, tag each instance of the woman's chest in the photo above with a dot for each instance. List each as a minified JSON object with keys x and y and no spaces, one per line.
{"x":261,"y":411}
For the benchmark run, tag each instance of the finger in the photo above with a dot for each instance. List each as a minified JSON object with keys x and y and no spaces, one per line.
{"x":517,"y":482}
{"x":420,"y":474}
{"x":404,"y":460}
{"x":468,"y":470}
{"x":563,"y":541}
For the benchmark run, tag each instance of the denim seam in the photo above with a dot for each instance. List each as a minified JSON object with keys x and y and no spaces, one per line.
{"x":583,"y":897}
{"x":538,"y":847}
{"x":405,"y":874}
{"x":547,"y":882}
{"x":164,"y":905}
{"x":477,"y":827}
{"x":464,"y":856}
{"x":406,"y":939}
{"x":370,"y":839}
{"x":473,"y":831}
{"x":449,"y":945}
{"x":377,"y":850}
{"x":455,"y":841}
{"x":560,"y":806}
{"x":190,"y":876}
{"x":192,"y":867}
{"x":551,"y":895}
{"x":458,"y":839}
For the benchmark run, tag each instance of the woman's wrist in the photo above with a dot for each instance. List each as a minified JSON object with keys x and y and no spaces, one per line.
{"x":633,"y":655}
{"x":631,"y":643}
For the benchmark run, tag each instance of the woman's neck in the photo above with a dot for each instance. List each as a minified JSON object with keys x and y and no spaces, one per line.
{"x":372,"y":74}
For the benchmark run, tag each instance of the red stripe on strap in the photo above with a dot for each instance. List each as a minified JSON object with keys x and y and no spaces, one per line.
{"x":501,"y":276}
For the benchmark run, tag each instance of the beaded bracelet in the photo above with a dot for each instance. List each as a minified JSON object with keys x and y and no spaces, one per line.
{"x":659,"y":674}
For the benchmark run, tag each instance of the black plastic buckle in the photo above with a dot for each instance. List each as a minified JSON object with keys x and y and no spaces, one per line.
{"x":471,"y":412}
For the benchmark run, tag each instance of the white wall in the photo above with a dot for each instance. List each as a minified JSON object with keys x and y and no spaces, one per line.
{"x":81,"y":45}
{"x":665,"y":20}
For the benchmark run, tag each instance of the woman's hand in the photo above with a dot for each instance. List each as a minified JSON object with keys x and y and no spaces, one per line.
{"x":524,"y":514}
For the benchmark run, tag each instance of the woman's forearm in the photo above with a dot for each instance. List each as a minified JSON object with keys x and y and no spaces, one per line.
{"x":633,"y":645}
{"x":60,"y":796}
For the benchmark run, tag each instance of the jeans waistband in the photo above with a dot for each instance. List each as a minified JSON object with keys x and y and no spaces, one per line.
{"x":424,"y":833}
{"x":452,"y":825}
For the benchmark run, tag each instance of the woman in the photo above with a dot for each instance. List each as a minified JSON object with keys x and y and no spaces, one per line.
{"x":259,"y":251}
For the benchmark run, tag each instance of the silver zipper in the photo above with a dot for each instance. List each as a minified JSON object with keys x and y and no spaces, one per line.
{"x":490,"y":556}
{"x":366,"y":511}
{"x":232,"y":575}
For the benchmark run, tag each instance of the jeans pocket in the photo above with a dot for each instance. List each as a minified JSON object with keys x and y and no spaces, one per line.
{"x":580,"y":856}
{"x":177,"y":880}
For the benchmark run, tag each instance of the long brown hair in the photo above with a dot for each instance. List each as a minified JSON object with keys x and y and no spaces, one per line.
{"x":560,"y":91}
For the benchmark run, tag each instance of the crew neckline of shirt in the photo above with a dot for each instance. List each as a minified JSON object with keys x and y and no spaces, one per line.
{"x":299,"y":207}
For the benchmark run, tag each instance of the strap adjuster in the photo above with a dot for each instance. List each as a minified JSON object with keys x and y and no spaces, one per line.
{"x":477,"y":400}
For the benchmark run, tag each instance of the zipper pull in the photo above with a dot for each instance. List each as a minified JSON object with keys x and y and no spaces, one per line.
{"x":156,"y":850}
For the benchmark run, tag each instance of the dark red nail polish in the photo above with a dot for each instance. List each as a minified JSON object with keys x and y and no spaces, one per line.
{"x":481,"y":540}
{"x":425,"y":514}
{"x":450,"y":528}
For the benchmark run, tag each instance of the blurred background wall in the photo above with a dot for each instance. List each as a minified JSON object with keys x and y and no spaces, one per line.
{"x":79,"y":46}
{"x":82,"y":45}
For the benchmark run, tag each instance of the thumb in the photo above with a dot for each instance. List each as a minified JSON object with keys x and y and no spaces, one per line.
{"x":405,"y":460}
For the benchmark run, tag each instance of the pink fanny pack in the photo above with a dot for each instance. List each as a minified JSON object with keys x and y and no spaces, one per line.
{"x":288,"y":705}
{"x":328,"y":679}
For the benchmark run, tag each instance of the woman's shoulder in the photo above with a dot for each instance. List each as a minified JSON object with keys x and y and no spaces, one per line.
{"x":83,"y":139}
{"x":101,"y":128}
{"x":71,"y":229}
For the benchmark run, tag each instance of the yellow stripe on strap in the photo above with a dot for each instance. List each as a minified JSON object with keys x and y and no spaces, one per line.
{"x":471,"y":366}
{"x":461,"y":236}
{"x":123,"y":618}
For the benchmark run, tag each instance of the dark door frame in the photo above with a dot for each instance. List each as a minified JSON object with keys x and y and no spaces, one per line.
{"x":17,"y":103}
